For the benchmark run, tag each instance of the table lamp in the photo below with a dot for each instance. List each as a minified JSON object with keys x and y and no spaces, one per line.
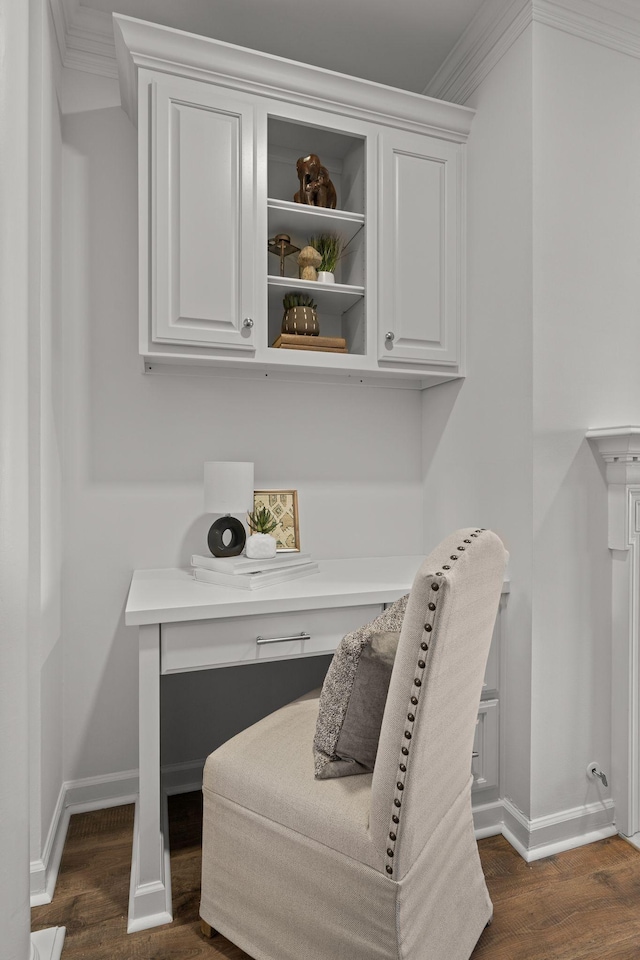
{"x":228,"y":488}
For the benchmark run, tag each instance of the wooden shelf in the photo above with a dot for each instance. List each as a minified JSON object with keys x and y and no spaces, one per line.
{"x":330,"y":297}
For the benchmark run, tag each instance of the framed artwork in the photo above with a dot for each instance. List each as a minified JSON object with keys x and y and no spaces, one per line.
{"x":283,"y":504}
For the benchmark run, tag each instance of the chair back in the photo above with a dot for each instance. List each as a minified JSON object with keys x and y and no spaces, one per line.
{"x":424,"y":756}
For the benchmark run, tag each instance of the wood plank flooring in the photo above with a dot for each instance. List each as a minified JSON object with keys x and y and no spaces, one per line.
{"x":580,"y":905}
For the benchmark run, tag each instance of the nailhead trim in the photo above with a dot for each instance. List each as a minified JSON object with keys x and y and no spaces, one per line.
{"x":411,"y":717}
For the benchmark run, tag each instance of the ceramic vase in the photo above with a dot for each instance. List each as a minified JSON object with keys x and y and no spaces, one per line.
{"x":302,"y":320}
{"x":261,"y":546}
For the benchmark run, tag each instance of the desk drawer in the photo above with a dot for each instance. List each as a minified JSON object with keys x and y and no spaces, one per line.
{"x":196,"y":645}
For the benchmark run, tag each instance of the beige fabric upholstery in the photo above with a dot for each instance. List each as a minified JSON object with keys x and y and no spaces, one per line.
{"x":268,"y":768}
{"x":297,"y":867}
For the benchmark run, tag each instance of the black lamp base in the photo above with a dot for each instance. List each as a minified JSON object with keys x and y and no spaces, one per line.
{"x":236,"y":541}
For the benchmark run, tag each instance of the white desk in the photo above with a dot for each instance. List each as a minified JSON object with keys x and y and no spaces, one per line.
{"x":187,"y":625}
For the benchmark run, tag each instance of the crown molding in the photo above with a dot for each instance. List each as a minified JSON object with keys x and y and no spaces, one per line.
{"x":494,"y":29}
{"x":611,"y":23}
{"x":498,"y":24}
{"x":148,"y":46}
{"x":85,"y":38}
{"x":86,"y":42}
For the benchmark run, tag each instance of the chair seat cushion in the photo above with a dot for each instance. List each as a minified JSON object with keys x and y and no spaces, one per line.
{"x":354,"y":695}
{"x":268,"y":768}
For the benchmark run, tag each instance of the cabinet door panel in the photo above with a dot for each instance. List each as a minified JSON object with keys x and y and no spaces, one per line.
{"x":420,"y":272}
{"x":202,"y":253}
{"x":485,"y":763}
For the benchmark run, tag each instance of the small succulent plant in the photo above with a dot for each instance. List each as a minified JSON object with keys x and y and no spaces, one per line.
{"x":261,"y":520}
{"x":291,"y":300}
{"x":330,"y":248}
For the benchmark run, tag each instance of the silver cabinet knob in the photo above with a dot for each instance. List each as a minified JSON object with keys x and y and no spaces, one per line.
{"x":390,"y":336}
{"x":247,"y":322}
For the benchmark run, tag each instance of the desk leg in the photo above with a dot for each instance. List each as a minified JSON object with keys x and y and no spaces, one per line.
{"x":150,"y":890}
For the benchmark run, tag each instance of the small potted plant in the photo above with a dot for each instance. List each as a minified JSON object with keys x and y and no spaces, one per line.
{"x":300,"y":315}
{"x":329,"y":246}
{"x":260,"y":544}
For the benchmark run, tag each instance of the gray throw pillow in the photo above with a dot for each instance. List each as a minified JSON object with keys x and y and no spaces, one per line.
{"x":354,"y":695}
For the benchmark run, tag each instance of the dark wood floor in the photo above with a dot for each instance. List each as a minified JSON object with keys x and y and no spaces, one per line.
{"x":580,"y":905}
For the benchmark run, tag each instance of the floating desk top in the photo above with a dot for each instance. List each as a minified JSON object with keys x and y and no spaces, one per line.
{"x":170,"y":595}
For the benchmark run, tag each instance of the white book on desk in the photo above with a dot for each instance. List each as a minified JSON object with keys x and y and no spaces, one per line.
{"x":253,"y":581}
{"x":232,"y":566}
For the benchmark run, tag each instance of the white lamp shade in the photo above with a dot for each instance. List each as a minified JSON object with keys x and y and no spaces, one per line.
{"x":228,"y":487}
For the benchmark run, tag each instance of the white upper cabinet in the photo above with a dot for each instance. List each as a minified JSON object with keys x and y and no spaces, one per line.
{"x":420,"y":314}
{"x":220,"y":129}
{"x":201,"y":220}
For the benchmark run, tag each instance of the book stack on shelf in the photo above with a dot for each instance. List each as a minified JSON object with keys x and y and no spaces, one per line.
{"x":297,"y":341}
{"x":246,"y":574}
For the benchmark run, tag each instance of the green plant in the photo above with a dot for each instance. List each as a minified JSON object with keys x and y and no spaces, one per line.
{"x":262,"y":520}
{"x":330,"y":247}
{"x":291,"y":300}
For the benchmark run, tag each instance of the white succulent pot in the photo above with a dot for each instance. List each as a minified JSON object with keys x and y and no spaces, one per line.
{"x":325,"y":276}
{"x":261,"y":546}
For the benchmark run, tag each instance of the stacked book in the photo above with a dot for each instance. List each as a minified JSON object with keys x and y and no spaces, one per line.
{"x":298,"y":341}
{"x":247,"y":574}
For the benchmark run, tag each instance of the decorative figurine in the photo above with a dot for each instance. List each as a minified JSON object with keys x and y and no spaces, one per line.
{"x":309,"y":260}
{"x":316,"y":188}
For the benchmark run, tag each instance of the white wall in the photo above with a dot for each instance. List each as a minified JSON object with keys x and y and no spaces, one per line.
{"x":134,"y":451}
{"x":45,"y":522}
{"x":554,"y":246}
{"x":585,"y":361}
{"x":477,"y":433}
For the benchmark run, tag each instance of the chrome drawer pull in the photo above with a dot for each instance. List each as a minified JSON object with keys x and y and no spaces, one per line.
{"x":474,"y":755}
{"x":298,"y":636}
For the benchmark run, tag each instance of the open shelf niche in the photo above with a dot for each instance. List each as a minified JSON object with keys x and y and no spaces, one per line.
{"x":341,"y":306}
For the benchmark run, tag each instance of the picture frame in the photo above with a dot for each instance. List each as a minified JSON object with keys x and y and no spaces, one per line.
{"x":283,"y":504}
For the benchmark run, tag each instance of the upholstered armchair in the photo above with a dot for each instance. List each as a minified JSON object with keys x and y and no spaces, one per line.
{"x":382,"y":865}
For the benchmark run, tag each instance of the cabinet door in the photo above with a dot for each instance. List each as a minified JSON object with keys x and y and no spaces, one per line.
{"x":421,"y":255}
{"x":202,"y":223}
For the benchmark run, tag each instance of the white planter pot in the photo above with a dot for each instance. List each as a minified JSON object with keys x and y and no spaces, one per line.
{"x":261,"y":546}
{"x":325,"y":277}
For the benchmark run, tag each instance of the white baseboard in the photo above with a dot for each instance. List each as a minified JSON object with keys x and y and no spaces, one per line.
{"x":633,"y":840}
{"x":487,"y":819}
{"x":532,"y":839}
{"x":43,"y":872}
{"x":565,"y":830}
{"x":98,"y":793}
